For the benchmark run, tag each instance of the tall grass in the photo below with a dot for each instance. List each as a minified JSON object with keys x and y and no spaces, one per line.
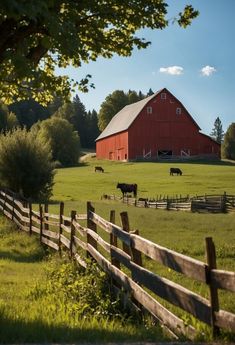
{"x":46,"y":299}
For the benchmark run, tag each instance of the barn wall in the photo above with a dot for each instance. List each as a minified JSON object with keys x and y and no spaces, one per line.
{"x":163,"y":130}
{"x":114,"y":147}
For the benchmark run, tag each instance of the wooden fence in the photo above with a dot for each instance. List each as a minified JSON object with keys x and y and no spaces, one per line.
{"x":202,"y":203}
{"x":117,"y":249}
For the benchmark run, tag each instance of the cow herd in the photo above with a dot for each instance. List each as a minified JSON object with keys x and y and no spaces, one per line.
{"x":132,"y":188}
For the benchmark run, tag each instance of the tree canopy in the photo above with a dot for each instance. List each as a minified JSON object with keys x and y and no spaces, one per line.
{"x":38,"y":36}
{"x":114,"y":102}
{"x":62,"y":139}
{"x":228,"y":147}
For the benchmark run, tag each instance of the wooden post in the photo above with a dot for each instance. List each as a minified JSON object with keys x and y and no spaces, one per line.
{"x":113,"y":240}
{"x":126,"y":227}
{"x":223,"y":203}
{"x":30,"y":219}
{"x":214,"y":300}
{"x":46,"y":226}
{"x":72,"y":228}
{"x":41,"y":221}
{"x":91,"y":225}
{"x":60,"y":223}
{"x":136,"y":254}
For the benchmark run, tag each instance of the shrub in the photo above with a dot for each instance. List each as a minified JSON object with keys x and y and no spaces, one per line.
{"x":64,"y":141}
{"x":25,"y":164}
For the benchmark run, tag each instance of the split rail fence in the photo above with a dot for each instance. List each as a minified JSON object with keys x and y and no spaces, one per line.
{"x":204,"y":203}
{"x":118,"y":250}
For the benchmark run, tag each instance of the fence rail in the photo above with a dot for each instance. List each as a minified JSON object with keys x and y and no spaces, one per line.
{"x":124,"y":251}
{"x":209,"y":203}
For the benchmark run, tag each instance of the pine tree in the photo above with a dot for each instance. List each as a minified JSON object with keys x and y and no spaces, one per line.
{"x":217,"y":132}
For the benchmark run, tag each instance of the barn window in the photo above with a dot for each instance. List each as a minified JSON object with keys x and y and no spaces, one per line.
{"x":163,"y":95}
{"x":178,"y":111}
{"x":149,"y":110}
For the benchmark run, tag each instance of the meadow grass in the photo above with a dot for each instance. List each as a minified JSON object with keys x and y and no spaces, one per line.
{"x":23,"y":266}
{"x":36,"y":306}
{"x":184,"y":232}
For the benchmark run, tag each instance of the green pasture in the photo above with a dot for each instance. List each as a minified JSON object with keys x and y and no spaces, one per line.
{"x":22,"y":261}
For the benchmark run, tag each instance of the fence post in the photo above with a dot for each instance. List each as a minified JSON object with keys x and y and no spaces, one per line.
{"x":46,"y":226}
{"x":41,"y":221}
{"x":136,"y":254}
{"x":113,"y":240}
{"x":91,"y":225}
{"x":72,"y":229}
{"x":214,"y":299}
{"x":30,"y":219}
{"x":126,"y":227}
{"x":60,"y":227}
{"x":224,"y":203}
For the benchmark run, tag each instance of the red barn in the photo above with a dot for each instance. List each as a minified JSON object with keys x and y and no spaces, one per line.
{"x":156,"y":126}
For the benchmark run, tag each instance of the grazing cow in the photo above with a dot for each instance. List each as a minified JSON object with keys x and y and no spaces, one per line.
{"x":128,"y":188}
{"x":99,"y":169}
{"x":175,"y":171}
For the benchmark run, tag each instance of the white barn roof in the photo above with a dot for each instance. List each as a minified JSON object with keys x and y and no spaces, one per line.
{"x":125,"y":117}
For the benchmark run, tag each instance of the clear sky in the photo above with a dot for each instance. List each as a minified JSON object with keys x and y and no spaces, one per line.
{"x":196,"y":64}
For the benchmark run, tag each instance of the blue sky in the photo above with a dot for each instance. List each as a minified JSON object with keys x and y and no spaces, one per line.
{"x":196,"y":64}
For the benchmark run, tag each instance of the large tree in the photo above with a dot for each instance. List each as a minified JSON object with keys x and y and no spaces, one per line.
{"x":38,"y":36}
{"x":228,"y":146}
{"x":113,"y":103}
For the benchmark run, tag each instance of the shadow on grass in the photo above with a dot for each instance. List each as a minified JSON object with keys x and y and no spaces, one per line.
{"x":201,"y":162}
{"x":18,"y":331}
{"x":18,"y":256}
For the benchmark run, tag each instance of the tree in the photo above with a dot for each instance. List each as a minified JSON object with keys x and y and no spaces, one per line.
{"x":38,"y":36}
{"x":62,"y":139}
{"x":8,"y":119}
{"x":92,"y":128}
{"x":217,"y":132}
{"x":113,"y":103}
{"x":29,"y":112}
{"x":150,"y":92}
{"x":228,"y":146}
{"x":25,"y":164}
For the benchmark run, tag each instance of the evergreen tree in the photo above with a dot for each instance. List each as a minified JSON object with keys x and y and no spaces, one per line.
{"x":217,"y":132}
{"x":150,"y":92}
{"x":29,"y":112}
{"x":92,"y":127}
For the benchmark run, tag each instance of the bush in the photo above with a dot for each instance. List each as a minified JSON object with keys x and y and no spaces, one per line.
{"x":25,"y":164}
{"x":63,"y":140}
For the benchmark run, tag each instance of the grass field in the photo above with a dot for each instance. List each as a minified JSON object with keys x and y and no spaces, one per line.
{"x":184,"y":232}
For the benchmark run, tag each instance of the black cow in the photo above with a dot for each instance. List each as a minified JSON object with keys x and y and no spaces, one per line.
{"x":99,"y":169}
{"x":128,"y":188}
{"x":175,"y":171}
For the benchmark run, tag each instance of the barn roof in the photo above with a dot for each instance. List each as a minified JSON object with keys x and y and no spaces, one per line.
{"x":125,"y":117}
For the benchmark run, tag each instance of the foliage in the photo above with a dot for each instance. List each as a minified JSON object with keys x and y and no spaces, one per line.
{"x":25,"y":164}
{"x":84,"y":123}
{"x":29,"y":112}
{"x":217,"y":132}
{"x":38,"y":36}
{"x":8,"y":119}
{"x":61,"y":137}
{"x":113,"y":103}
{"x":228,"y":147}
